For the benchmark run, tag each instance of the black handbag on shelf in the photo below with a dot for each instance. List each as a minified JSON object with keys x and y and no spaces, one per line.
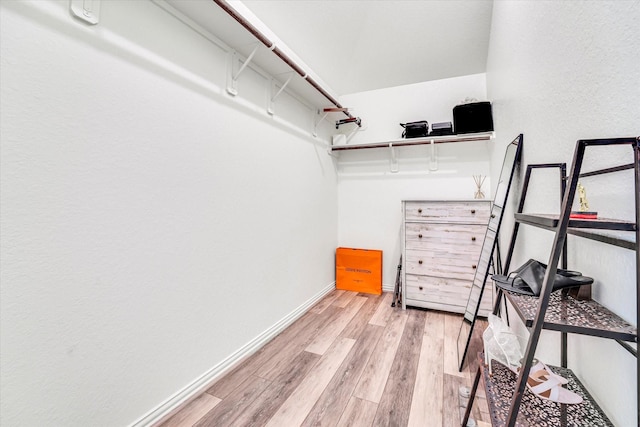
{"x":415,"y":129}
{"x":473,"y":117}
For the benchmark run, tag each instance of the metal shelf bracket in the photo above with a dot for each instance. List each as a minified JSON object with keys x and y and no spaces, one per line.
{"x":316,"y":124}
{"x":274,"y":96}
{"x":393,"y":159}
{"x":232,"y":84}
{"x":433,"y":161}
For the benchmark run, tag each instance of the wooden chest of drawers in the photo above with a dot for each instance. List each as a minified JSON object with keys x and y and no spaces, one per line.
{"x":442,"y":241}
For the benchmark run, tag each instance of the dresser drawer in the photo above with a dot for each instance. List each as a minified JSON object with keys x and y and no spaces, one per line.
{"x":459,"y":265}
{"x":451,"y":292}
{"x":460,"y":212}
{"x":444,"y":237}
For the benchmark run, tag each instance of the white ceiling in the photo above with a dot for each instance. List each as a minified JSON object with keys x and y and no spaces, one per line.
{"x":355,"y":46}
{"x":350,"y":46}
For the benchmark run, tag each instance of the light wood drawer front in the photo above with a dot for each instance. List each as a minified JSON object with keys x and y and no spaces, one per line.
{"x":460,"y":212}
{"x":438,"y":290}
{"x":445,"y":237}
{"x":442,"y":264}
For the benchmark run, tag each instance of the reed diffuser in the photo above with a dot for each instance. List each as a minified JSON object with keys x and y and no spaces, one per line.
{"x":479,"y":180}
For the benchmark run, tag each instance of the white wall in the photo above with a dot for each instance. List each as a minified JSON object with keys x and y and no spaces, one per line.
{"x":151,"y":226}
{"x":370,"y":195}
{"x":559,"y":72}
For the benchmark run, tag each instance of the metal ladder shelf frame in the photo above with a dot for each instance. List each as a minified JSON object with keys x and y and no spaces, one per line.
{"x":561,"y":228}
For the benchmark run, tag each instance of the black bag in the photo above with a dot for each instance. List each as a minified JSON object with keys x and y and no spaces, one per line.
{"x":415,"y":129}
{"x":438,"y":129}
{"x":474,"y":117}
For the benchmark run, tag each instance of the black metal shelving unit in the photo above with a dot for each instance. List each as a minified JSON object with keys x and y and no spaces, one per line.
{"x":509,"y":404}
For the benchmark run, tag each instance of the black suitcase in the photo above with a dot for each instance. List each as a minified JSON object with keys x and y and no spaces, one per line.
{"x":471,"y":118}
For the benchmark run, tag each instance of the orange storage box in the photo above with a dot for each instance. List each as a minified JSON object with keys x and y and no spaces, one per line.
{"x":359,"y":270}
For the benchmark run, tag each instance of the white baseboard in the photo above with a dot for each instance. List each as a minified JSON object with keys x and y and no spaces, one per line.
{"x":162,"y":412}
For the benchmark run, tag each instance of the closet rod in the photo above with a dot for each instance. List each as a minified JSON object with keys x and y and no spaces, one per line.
{"x":268,"y":43}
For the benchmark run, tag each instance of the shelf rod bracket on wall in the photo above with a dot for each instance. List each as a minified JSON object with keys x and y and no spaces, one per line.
{"x":433,"y":161}
{"x":393,"y":160}
{"x":272,"y":100}
{"x":232,"y":86}
{"x":86,"y":10}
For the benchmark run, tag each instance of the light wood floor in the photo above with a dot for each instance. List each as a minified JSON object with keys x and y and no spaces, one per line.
{"x":352,"y":360}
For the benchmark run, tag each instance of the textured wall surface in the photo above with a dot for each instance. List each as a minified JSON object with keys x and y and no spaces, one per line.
{"x":151,"y":226}
{"x":559,"y":72}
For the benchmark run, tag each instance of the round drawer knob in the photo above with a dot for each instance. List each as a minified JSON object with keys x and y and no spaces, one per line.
{"x":419,"y":210}
{"x":493,"y":215}
{"x":420,"y":262}
{"x":473,"y":266}
{"x":473,"y":239}
{"x":419,"y":236}
{"x":473,"y":211}
{"x":420,"y":287}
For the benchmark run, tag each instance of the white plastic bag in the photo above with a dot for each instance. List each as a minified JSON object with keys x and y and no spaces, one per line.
{"x":501,"y":344}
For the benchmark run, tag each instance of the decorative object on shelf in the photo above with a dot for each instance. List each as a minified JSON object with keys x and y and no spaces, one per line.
{"x":582,"y":194}
{"x":479,"y":180}
{"x":418,"y":129}
{"x":477,"y":293}
{"x":583,"y":212}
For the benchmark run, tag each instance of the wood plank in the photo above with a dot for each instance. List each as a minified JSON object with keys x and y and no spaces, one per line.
{"x":452,"y":324}
{"x":284,"y":385}
{"x":375,"y":375}
{"x":272,"y":368}
{"x":394,"y":407}
{"x":235,"y":404}
{"x":359,"y":322}
{"x":273,"y":355}
{"x":343,"y":300}
{"x":426,"y":404}
{"x":358,"y":413}
{"x":481,"y":408}
{"x":384,"y":310}
{"x":191,"y":413}
{"x":326,"y":301}
{"x":451,"y":401}
{"x":452,"y":410}
{"x":329,"y":407}
{"x":296,"y":408}
{"x":327,"y":336}
{"x":267,"y":404}
{"x":476,"y":345}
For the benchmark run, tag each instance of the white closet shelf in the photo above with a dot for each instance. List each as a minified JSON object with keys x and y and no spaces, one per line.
{"x":481,"y":136}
